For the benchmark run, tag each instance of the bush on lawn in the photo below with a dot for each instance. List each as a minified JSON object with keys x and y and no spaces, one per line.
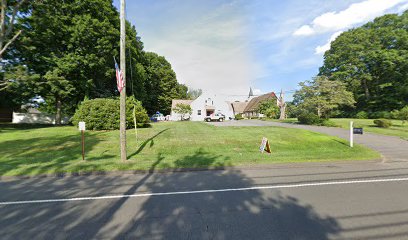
{"x":362,"y":115}
{"x":104,"y":114}
{"x":401,"y":114}
{"x":238,"y":117}
{"x":309,"y":119}
{"x":383,"y":123}
{"x":379,"y":115}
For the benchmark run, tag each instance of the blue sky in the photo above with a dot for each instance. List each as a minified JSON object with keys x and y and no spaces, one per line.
{"x":228,"y":46}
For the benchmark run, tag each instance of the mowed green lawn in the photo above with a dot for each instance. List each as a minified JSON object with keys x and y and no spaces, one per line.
{"x":397,"y":128}
{"x":32,"y":151}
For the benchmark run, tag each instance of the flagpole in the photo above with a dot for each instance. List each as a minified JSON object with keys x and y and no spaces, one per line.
{"x":123,"y":155}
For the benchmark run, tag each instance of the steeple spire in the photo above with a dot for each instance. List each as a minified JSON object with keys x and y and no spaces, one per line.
{"x":251,"y":94}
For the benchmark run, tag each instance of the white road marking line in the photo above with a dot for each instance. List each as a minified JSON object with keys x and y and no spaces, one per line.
{"x":312,"y":184}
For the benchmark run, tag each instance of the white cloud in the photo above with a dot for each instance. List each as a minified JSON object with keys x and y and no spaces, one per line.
{"x":356,"y":13}
{"x":324,"y":48}
{"x":305,"y":30}
{"x":211,"y":52}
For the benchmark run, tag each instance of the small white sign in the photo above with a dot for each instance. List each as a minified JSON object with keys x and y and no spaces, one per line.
{"x":81,"y":126}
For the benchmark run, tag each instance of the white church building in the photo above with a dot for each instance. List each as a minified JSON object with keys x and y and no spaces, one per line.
{"x":205,"y":105}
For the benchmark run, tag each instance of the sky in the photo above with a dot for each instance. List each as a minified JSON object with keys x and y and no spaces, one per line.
{"x":228,"y":46}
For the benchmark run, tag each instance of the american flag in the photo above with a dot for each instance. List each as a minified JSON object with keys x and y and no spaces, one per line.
{"x":119,"y":78}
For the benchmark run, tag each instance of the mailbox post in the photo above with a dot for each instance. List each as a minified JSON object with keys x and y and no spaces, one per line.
{"x":351,"y":134}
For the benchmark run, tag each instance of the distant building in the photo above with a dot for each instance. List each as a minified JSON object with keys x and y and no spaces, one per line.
{"x":251,"y":110}
{"x":173,"y":115}
{"x":239,"y":107}
{"x":208,"y":104}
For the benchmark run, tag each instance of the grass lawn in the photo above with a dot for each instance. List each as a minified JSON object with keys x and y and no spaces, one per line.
{"x":397,"y":129}
{"x":30,"y":151}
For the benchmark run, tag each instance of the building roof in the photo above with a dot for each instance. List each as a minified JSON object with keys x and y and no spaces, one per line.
{"x":174,"y":102}
{"x":239,"y":107}
{"x":254,"y":103}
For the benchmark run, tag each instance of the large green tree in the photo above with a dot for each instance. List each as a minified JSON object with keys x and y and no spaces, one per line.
{"x":162,"y":85}
{"x":321,"y":96}
{"x":372,"y":61}
{"x":10,"y":12}
{"x":71,"y":44}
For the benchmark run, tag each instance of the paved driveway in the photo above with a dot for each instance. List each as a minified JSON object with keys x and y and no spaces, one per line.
{"x":391,"y":148}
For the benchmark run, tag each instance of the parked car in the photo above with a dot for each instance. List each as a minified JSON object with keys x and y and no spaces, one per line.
{"x":215,"y":117}
{"x":157,"y":117}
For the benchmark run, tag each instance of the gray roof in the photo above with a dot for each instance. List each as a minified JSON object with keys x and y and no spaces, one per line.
{"x":239,"y":107}
{"x":254,"y":103}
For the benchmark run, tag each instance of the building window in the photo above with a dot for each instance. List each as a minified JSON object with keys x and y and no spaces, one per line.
{"x":198,"y":112}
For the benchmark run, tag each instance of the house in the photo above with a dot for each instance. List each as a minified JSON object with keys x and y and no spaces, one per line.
{"x":251,"y":110}
{"x":34,"y":116}
{"x":210,"y":103}
{"x":173,"y":115}
{"x":205,"y":105}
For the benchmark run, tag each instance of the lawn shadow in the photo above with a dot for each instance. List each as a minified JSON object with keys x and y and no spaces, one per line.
{"x":144,"y":143}
{"x":250,"y":214}
{"x":201,"y":159}
{"x":24,"y":126}
{"x":41,"y":154}
{"x":341,"y":142}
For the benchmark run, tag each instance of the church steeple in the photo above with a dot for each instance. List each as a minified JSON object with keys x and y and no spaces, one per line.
{"x":251,"y":94}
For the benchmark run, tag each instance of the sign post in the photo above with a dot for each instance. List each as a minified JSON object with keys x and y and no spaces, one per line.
{"x":351,"y":134}
{"x":81,"y":126}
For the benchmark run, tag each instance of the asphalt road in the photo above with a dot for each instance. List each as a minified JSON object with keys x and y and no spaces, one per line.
{"x":353,"y":200}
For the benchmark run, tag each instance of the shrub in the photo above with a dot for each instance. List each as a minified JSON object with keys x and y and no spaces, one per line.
{"x":381,"y":114}
{"x":309,"y":119}
{"x":383,"y":123}
{"x":104,"y":114}
{"x":238,"y":117}
{"x":362,"y":115}
{"x":401,"y":114}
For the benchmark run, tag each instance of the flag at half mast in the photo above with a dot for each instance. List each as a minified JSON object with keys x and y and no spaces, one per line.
{"x":120,"y":83}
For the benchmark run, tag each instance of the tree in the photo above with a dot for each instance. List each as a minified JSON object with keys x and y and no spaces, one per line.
{"x":161,"y":85}
{"x":282,"y":106}
{"x":75,"y":41}
{"x":183,"y":110}
{"x":71,"y":45}
{"x":401,"y":114}
{"x":193,"y":94}
{"x":269,"y":108}
{"x":9,"y":12}
{"x":322,"y":96}
{"x":372,"y":61}
{"x":17,"y":87}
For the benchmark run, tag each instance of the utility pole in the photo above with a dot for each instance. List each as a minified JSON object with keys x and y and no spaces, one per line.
{"x":123,"y":155}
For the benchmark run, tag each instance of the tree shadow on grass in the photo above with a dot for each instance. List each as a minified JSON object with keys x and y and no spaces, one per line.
{"x":24,"y":126}
{"x":202,"y":159}
{"x":42,"y":154}
{"x":147,"y":141}
{"x":251,"y":214}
